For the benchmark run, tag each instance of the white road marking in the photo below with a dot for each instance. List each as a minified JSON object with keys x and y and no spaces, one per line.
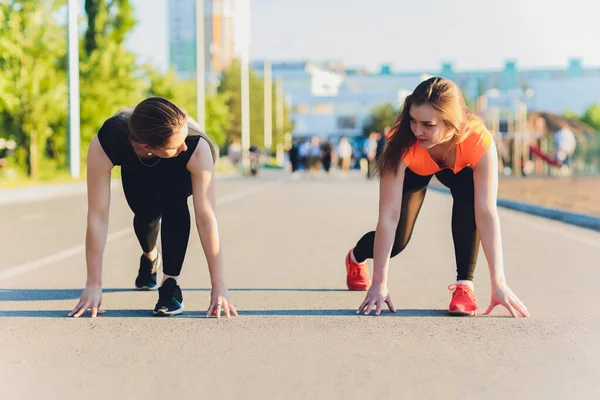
{"x":33,"y":265}
{"x":561,"y":231}
{"x":29,"y":217}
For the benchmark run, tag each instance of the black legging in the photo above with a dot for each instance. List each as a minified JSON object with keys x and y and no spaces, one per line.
{"x":464,"y":230}
{"x":151,"y":198}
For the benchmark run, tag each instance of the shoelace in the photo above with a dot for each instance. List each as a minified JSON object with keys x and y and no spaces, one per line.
{"x":462,"y":290}
{"x":357,"y":271}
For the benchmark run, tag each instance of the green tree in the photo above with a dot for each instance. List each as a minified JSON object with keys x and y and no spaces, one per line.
{"x":10,"y":52}
{"x":33,"y":88}
{"x":108,"y":22}
{"x":469,"y":101}
{"x":217,"y":117}
{"x":183,"y":93}
{"x":231,"y":87}
{"x":110,"y":78}
{"x":383,"y":115}
{"x":570,"y":114}
{"x":167,"y":85}
{"x":591,"y":116}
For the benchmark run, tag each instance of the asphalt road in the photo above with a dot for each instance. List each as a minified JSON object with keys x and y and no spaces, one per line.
{"x":297,"y":336}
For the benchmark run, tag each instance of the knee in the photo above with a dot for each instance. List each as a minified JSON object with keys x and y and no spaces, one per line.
{"x":176,"y":211}
{"x":464,"y":208}
{"x":146,"y":219}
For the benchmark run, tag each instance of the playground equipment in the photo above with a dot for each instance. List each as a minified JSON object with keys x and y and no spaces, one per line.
{"x":523,"y":149}
{"x":544,"y":156}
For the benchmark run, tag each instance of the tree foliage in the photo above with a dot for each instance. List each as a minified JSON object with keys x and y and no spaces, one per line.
{"x":34,"y":88}
{"x":382,"y":116}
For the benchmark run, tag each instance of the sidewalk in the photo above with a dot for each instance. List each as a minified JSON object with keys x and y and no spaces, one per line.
{"x":35,"y":193}
{"x":298,"y":335}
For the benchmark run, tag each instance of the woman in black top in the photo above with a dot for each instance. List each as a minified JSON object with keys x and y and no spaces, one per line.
{"x":164,"y":159}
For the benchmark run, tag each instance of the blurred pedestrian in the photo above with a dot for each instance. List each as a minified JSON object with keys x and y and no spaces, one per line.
{"x":326,"y":156}
{"x":370,"y":151}
{"x":565,"y":144}
{"x":344,"y":152}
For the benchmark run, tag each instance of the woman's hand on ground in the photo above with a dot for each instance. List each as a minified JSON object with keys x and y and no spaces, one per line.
{"x":376,"y":296}
{"x":502,"y":295}
{"x":91,"y":298}
{"x":220,"y":301}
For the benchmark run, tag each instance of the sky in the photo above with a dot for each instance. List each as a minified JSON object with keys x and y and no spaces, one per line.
{"x":408,"y":35}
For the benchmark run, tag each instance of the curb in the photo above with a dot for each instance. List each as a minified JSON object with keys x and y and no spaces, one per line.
{"x":33,"y":193}
{"x":49,"y":191}
{"x":567,"y":217}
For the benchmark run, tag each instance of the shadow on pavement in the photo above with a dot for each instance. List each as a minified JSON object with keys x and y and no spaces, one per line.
{"x":73,"y":294}
{"x":64,"y":313}
{"x":48,"y":294}
{"x":143,"y":313}
{"x":346,"y":312}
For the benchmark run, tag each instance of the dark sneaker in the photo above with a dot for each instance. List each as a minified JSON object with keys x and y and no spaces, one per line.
{"x":170,"y":299}
{"x":146,"y":279}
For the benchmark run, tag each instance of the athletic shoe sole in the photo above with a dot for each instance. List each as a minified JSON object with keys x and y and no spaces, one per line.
{"x":146,"y":288}
{"x":165,"y":313}
{"x":357,"y":288}
{"x":462,"y":313}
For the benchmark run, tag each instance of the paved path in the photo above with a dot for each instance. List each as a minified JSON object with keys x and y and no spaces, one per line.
{"x":297,"y":336}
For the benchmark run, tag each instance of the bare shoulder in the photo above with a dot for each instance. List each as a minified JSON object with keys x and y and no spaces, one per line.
{"x":488,"y":163}
{"x":394,"y":179}
{"x":201,"y":161}
{"x":97,"y":160}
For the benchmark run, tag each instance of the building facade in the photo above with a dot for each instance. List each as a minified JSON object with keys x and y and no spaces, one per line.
{"x":329,"y":100}
{"x":219,"y":36}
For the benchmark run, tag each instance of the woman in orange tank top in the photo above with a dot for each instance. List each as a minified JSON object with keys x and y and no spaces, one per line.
{"x":436,"y":134}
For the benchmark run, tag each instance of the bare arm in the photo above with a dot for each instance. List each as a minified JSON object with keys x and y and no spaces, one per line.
{"x":98,"y":182}
{"x":98,"y":192}
{"x":485,"y":180}
{"x":390,"y":205}
{"x":201,"y":168}
{"x":203,"y":186}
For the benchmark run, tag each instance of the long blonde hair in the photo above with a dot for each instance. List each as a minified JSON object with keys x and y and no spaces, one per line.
{"x":446,"y":99}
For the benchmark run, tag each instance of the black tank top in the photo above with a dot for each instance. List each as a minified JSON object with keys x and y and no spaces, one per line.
{"x":164,"y":171}
{"x":113,"y":138}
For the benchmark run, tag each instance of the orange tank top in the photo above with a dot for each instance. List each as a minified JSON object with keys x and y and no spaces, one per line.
{"x":468,"y":152}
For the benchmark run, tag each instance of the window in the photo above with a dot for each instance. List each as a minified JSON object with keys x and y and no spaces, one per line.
{"x":302,"y":109}
{"x":323,"y":109}
{"x":346,"y":122}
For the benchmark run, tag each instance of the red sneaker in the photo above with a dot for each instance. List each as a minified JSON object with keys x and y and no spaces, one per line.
{"x":463,"y":300}
{"x":357,"y":275}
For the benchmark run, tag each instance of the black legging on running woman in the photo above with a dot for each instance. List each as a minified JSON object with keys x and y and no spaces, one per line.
{"x":157,"y":191}
{"x":155,"y":201}
{"x":464,"y":230}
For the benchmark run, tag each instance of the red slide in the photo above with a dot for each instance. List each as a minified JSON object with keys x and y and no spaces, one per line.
{"x":545,"y":156}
